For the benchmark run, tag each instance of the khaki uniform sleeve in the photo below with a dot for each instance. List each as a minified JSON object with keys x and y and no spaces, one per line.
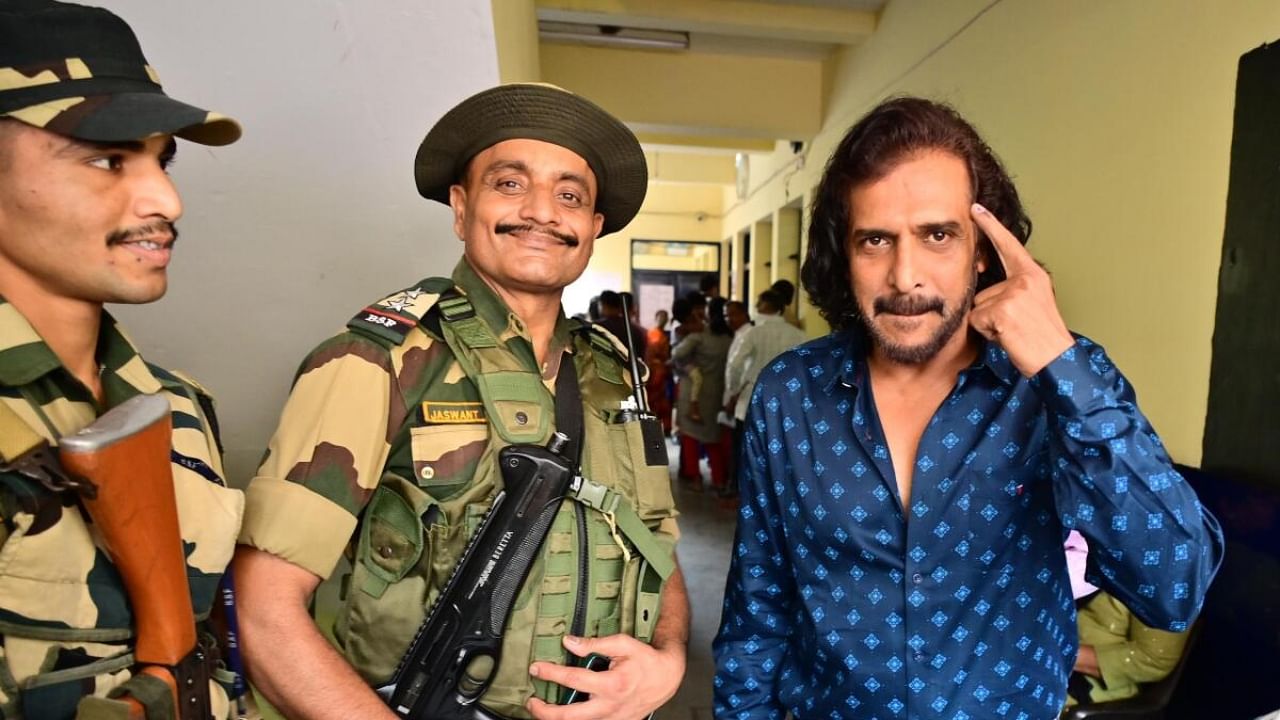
{"x":325,"y":458}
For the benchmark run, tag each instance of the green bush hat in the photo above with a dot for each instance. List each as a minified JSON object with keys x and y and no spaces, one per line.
{"x":537,"y":111}
{"x":79,"y":71}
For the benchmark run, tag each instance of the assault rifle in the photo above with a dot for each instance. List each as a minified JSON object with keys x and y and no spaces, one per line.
{"x":456,"y":652}
{"x":120,"y":466}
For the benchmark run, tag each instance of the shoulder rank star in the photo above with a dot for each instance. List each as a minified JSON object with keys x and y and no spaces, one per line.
{"x":401,"y":301}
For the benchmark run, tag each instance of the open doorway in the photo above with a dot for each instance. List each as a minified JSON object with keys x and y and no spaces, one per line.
{"x":662,"y":271}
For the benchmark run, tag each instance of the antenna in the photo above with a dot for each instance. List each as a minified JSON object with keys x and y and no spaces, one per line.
{"x":635,"y":364}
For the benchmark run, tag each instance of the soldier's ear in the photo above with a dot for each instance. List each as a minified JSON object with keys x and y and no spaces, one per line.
{"x":458,"y":201}
{"x":599,"y":225}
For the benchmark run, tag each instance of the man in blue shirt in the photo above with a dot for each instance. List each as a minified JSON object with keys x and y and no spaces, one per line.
{"x":908,"y":480}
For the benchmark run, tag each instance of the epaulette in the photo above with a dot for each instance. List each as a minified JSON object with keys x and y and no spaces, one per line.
{"x":610,"y":346}
{"x":393,"y":317}
{"x":177,"y":380}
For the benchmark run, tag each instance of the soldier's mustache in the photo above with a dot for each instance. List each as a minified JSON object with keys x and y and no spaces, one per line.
{"x":126,"y":235}
{"x":907,"y":305}
{"x":566,"y":238}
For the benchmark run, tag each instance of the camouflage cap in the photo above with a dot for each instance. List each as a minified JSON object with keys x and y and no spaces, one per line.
{"x":543,"y":112}
{"x":79,"y":71}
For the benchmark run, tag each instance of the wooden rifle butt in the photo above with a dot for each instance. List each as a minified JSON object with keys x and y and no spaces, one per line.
{"x":125,"y":457}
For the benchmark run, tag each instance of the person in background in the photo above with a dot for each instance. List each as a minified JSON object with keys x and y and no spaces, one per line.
{"x":693,"y":306}
{"x":1077,"y":550}
{"x":709,"y":285}
{"x":736,"y":317}
{"x":739,"y":321}
{"x":1117,"y":650}
{"x":658,"y":358}
{"x":769,"y":338}
{"x":613,"y":319}
{"x":702,"y":355}
{"x":633,"y":311}
{"x":786,"y":291}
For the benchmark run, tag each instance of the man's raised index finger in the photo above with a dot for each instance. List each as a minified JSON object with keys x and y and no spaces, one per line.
{"x":1012,"y":254}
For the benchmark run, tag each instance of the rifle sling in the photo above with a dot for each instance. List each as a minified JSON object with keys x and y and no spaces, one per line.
{"x":569,"y":408}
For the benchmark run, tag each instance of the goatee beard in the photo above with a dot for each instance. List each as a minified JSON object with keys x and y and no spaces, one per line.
{"x":952,"y":321}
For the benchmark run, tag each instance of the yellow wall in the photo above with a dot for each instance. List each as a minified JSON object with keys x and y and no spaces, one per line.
{"x":515,"y":32}
{"x":734,"y":93}
{"x":1115,"y":120}
{"x":671,"y":211}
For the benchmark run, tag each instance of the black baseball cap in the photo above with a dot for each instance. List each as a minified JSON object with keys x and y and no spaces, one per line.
{"x":78,"y":71}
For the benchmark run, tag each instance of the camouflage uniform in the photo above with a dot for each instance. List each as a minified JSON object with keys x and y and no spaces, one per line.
{"x":65,"y":621}
{"x":386,"y":450}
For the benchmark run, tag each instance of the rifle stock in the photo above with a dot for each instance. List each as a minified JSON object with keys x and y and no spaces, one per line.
{"x":124,"y":457}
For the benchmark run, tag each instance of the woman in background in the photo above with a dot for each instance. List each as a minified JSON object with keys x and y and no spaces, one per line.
{"x":658,"y":358}
{"x":701,"y":357}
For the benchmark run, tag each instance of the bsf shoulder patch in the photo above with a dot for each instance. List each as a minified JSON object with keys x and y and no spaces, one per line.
{"x":436,"y":412}
{"x":394,"y":316}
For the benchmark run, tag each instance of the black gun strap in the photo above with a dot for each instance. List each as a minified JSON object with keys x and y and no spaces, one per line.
{"x":569,"y":408}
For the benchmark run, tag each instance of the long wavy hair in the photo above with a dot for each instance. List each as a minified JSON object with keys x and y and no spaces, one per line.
{"x":883,"y":138}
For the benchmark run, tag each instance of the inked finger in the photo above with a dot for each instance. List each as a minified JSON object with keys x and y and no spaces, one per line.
{"x":1012,"y":255}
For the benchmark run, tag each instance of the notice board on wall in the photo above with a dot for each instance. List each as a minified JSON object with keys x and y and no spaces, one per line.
{"x":1242,"y":424}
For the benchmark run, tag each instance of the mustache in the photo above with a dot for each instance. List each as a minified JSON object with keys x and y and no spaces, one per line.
{"x":508,"y":228}
{"x":126,"y":235}
{"x":907,"y":305}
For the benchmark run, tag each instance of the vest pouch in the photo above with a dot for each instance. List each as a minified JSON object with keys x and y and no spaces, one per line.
{"x":653,"y":498}
{"x":519,"y":406}
{"x":389,"y":580}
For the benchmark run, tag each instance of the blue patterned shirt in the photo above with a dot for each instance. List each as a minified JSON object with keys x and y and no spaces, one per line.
{"x":842,"y":603}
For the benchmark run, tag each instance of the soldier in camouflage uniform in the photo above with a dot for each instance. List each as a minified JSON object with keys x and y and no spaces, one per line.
{"x":86,"y":217}
{"x":387,"y":447}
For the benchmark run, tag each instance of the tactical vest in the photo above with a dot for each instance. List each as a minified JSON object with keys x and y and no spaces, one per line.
{"x":601,"y":569}
{"x":62,"y":603}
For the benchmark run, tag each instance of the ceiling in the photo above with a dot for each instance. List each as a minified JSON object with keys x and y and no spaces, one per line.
{"x":754,"y":72}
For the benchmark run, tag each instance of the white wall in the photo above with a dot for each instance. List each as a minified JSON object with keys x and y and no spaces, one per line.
{"x":313,"y":214}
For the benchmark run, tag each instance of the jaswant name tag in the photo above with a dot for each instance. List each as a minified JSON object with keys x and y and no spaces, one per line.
{"x":442,"y":413}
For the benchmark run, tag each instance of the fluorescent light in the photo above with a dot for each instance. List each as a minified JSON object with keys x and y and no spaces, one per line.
{"x":612,"y":36}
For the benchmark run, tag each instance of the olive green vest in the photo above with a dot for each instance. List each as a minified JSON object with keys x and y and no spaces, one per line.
{"x":601,"y":569}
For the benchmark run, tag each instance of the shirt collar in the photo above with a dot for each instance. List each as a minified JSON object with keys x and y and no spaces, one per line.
{"x":494,"y":312}
{"x":763,"y":319}
{"x":24,"y":355}
{"x":851,"y":372}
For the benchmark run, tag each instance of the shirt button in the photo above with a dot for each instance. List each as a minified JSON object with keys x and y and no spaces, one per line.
{"x":522,"y":418}
{"x":386,"y":551}
{"x":917,"y":578}
{"x":919,"y":656}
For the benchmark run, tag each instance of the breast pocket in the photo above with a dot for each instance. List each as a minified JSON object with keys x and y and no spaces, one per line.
{"x":999,"y":507}
{"x":445,"y":456}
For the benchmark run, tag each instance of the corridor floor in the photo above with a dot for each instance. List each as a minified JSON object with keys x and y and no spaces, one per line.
{"x":706,"y":538}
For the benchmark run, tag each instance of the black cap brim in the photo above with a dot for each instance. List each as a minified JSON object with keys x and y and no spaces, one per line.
{"x":124,"y":117}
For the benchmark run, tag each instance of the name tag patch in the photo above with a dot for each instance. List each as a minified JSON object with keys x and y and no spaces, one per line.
{"x":442,"y":413}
